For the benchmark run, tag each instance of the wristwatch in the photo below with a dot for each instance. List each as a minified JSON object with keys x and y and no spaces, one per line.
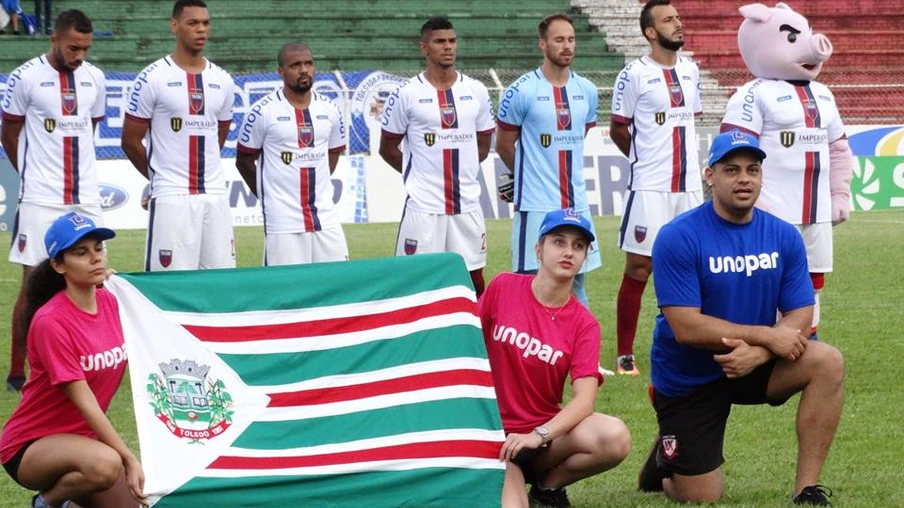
{"x":544,"y":434}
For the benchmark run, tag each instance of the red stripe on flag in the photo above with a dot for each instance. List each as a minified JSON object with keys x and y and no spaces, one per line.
{"x":430,"y":450}
{"x":809,"y":170}
{"x":332,"y":326}
{"x":304,"y":175}
{"x":384,"y":387}
{"x":676,"y":160}
{"x":68,"y":169}
{"x":193,"y":165}
{"x":563,"y":178}
{"x":448,"y":182}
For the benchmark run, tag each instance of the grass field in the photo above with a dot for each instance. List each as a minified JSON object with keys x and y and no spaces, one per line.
{"x":861,"y":315}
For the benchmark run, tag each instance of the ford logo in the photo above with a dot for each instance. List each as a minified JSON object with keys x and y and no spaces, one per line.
{"x":112,"y":197}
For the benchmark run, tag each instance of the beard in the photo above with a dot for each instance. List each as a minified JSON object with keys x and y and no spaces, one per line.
{"x":301,"y":89}
{"x":668,"y":43}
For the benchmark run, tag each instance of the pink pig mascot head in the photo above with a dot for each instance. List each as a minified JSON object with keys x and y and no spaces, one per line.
{"x":778,"y":43}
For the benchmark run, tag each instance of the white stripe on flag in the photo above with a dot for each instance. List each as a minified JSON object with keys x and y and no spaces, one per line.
{"x":325,"y":342}
{"x":410,"y":369}
{"x":280,"y":317}
{"x":361,"y":467}
{"x":279,"y":414}
{"x":494,"y":436}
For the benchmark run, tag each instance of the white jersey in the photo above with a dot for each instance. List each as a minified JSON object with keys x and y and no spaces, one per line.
{"x":795,"y":124}
{"x":659,"y":104}
{"x":293,"y":177}
{"x":440,"y":129}
{"x":184,"y":111}
{"x":56,"y":145}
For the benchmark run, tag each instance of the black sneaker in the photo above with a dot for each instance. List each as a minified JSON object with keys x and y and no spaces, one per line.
{"x":814,"y":495}
{"x":548,"y":498}
{"x":650,"y":478}
{"x":15,"y":383}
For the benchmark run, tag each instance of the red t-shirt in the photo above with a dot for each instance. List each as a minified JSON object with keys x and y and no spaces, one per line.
{"x":66,"y":344}
{"x":531,"y":354}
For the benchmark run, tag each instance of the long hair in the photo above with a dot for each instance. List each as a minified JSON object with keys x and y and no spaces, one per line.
{"x":43,"y":284}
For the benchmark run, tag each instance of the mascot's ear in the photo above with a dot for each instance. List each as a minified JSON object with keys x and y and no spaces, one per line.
{"x":756,"y":12}
{"x":783,"y":5}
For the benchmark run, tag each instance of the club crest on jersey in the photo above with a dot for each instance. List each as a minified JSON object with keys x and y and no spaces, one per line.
{"x":545,"y":140}
{"x":70,"y":104}
{"x":287,"y":157}
{"x":410,"y":246}
{"x":787,"y":138}
{"x":49,"y":124}
{"x":23,"y":240}
{"x":195,"y":102}
{"x":449,"y":116}
{"x":659,"y":117}
{"x":429,"y":138}
{"x":563,"y":117}
{"x":165,"y":257}
{"x":640,"y":233}
{"x":811,"y":109}
{"x":305,"y":136}
{"x":175,"y":124}
{"x":669,"y":447}
{"x":676,"y":94}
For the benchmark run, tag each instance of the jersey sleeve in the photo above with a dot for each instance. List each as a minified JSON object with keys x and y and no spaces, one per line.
{"x":736,"y":116}
{"x":253,"y":131}
{"x":677,"y":280}
{"x":624,"y":97}
{"x":835,"y":129}
{"x":585,"y":359}
{"x":485,"y":120}
{"x":797,"y":287}
{"x":224,"y":114}
{"x":16,"y":99}
{"x":593,"y":103}
{"x":511,"y":111}
{"x":698,"y":95}
{"x":142,"y":97}
{"x":100,"y":103}
{"x":395,"y":113}
{"x":338,"y":136}
{"x":50,"y":342}
{"x":486,"y":307}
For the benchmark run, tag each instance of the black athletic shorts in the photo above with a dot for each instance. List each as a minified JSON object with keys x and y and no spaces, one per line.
{"x":12,"y":465}
{"x":692,"y":426}
{"x":525,"y":460}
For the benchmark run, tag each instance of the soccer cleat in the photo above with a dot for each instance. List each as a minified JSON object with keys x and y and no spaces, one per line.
{"x":15,"y":383}
{"x":548,"y":498}
{"x":626,"y":366}
{"x":650,"y":478}
{"x":814,"y":495}
{"x":605,"y":372}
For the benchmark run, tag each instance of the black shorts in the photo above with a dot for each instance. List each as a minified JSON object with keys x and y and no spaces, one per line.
{"x":692,"y":426}
{"x":525,"y":460}
{"x":12,"y":465}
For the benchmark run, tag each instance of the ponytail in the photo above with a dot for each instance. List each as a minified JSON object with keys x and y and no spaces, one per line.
{"x":43,"y":284}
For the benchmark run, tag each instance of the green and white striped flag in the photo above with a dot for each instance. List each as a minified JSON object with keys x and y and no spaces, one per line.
{"x":335,"y":385}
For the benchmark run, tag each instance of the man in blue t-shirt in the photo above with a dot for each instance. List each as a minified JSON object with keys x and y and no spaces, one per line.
{"x":722,"y":270}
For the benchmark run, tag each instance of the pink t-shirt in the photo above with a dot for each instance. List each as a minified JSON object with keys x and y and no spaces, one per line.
{"x":66,"y":344}
{"x":531,"y":354}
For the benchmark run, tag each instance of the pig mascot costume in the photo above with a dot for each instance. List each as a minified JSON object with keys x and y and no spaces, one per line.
{"x":807,"y":174}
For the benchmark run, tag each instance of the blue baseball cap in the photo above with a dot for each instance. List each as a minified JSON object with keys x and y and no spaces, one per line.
{"x":566,"y":217}
{"x":727,"y":142}
{"x":69,"y":229}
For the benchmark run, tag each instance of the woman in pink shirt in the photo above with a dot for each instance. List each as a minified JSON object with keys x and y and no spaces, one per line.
{"x":537,"y":334}
{"x":59,"y":441}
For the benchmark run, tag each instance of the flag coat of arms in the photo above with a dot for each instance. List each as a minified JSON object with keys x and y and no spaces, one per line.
{"x":337,"y":385}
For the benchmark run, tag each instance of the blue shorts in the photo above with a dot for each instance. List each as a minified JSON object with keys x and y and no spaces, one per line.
{"x":11,"y":6}
{"x":525,"y":226}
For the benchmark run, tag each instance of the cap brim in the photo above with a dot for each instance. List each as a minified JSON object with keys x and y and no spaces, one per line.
{"x":99,"y":233}
{"x":753,"y":149}
{"x":582,"y":229}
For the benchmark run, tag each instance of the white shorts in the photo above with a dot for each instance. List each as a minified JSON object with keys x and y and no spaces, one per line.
{"x":303,"y":248}
{"x":31,"y":224}
{"x":189,"y":232}
{"x":818,"y":241}
{"x":464,"y":234}
{"x":525,"y":229}
{"x":645,"y":213}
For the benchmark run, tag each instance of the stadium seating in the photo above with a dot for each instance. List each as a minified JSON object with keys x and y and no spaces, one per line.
{"x":343,"y":34}
{"x":866,"y":70}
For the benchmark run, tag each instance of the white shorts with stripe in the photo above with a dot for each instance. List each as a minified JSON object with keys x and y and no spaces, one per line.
{"x":303,"y":248}
{"x":31,"y":224}
{"x":525,"y":229}
{"x":464,"y":234}
{"x":645,"y":212}
{"x":189,"y":232}
{"x":818,"y":241}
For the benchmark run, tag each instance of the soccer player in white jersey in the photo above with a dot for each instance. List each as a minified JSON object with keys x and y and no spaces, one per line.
{"x":182,"y":106}
{"x":52,"y":104}
{"x":436,"y":131}
{"x":656,"y":99}
{"x":542,"y":121}
{"x":298,"y":136}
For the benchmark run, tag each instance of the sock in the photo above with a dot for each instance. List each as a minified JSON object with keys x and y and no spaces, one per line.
{"x":580,"y":291}
{"x":630,"y":295}
{"x":819,"y":282}
{"x":18,"y":346}
{"x":477,"y":280}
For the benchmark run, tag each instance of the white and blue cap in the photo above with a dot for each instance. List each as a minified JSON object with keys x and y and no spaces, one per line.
{"x":566,"y":217}
{"x":69,"y":229}
{"x":727,"y":142}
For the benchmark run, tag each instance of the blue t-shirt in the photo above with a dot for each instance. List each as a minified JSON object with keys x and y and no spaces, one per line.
{"x":741,"y":273}
{"x":549,"y":153}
